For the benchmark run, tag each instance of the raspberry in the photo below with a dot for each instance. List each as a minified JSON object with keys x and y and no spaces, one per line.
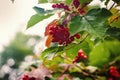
{"x":76,"y":3}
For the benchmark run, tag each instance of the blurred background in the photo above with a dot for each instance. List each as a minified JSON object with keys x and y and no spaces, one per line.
{"x":16,"y":43}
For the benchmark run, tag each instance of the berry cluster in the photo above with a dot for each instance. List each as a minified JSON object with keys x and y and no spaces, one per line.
{"x":114,"y":73}
{"x":62,"y":6}
{"x":61,"y":35}
{"x":81,"y":55}
{"x":26,"y":77}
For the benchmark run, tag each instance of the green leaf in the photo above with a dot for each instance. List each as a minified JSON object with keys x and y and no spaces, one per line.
{"x":94,"y":22}
{"x":84,"y":1}
{"x":99,"y":56}
{"x":113,"y":47}
{"x":55,"y":1}
{"x":42,"y":11}
{"x":72,"y":49}
{"x":35,"y":19}
{"x":42,"y":1}
{"x":54,"y":63}
{"x":113,"y":32}
{"x":39,"y":10}
{"x":50,"y":52}
{"x":68,"y":2}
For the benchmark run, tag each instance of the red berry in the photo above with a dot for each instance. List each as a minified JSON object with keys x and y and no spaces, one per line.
{"x":71,"y":39}
{"x":114,"y":72}
{"x":76,"y":3}
{"x":76,"y":59}
{"x":62,"y":5}
{"x":54,"y":6}
{"x":66,"y":8}
{"x":25,"y":77}
{"x":77,"y":36}
{"x":81,"y":54}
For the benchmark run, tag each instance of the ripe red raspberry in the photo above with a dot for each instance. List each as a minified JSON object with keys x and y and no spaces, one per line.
{"x":76,"y":3}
